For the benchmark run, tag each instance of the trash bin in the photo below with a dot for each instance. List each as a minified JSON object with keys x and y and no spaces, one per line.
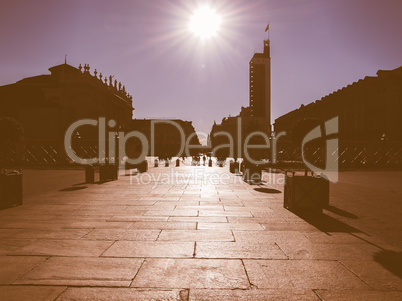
{"x":210,"y":163}
{"x":10,"y":189}
{"x":177,"y":162}
{"x":252,"y":173}
{"x":309,"y":194}
{"x":156,"y":163}
{"x":89,"y":174}
{"x":166,"y":163}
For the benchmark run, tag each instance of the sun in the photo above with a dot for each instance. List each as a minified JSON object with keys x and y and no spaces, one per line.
{"x":205,"y":22}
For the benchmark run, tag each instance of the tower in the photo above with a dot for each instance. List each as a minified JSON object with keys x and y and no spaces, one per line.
{"x":260,"y":85}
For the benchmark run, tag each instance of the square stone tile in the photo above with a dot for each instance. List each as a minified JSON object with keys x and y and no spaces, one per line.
{"x":150,"y":249}
{"x":192,"y":273}
{"x":301,"y":274}
{"x":13,"y":267}
{"x":83,"y":271}
{"x":196,"y":235}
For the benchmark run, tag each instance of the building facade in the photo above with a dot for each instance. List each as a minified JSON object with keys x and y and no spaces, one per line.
{"x":369,"y":110}
{"x":252,"y":119}
{"x":369,"y":124}
{"x":260,"y":84}
{"x":166,"y":138}
{"x":46,"y":105}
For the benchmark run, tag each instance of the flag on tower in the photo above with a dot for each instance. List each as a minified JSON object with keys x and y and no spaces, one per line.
{"x":266,"y":29}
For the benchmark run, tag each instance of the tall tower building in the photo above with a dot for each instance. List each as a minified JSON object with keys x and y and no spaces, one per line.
{"x":260,"y":85}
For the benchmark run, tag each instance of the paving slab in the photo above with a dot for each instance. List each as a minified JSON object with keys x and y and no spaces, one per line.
{"x":239,"y":250}
{"x":13,"y":267}
{"x":231,"y":226}
{"x":301,"y":274}
{"x":251,"y":295}
{"x":165,"y":225}
{"x":83,"y":271}
{"x":359,"y":295}
{"x":199,"y":219}
{"x":196,"y":235}
{"x":23,"y":293}
{"x":192,"y":273}
{"x":122,"y":234}
{"x":149,"y":249}
{"x":51,"y":234}
{"x":11,"y":246}
{"x":106,"y":294}
{"x":171,"y":213}
{"x":225,"y":213}
{"x":65,"y":248}
{"x":198,"y":241}
{"x":375,"y":275}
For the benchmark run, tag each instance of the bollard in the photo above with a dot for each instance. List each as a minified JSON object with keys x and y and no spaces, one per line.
{"x":177,"y":162}
{"x":89,"y":174}
{"x":156,"y":163}
{"x":10,"y":189}
{"x":143,"y":166}
{"x":210,"y":163}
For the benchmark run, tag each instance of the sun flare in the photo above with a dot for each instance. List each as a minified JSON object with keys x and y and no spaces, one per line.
{"x":205,"y":22}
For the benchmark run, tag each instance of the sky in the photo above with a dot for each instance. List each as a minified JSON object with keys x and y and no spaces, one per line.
{"x":317,"y":47}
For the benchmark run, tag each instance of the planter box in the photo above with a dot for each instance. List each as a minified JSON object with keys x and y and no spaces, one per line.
{"x":143,"y":166}
{"x":234,"y":167}
{"x":307,"y":194}
{"x":252,"y":173}
{"x":108,"y":172}
{"x":10,"y":190}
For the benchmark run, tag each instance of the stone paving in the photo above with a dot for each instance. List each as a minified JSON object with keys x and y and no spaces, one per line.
{"x":186,"y":233}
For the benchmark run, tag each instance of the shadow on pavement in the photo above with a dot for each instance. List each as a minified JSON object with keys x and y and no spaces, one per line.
{"x":390,"y":260}
{"x":341,"y":212}
{"x":73,"y":188}
{"x":267,"y":190}
{"x":326,"y":223}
